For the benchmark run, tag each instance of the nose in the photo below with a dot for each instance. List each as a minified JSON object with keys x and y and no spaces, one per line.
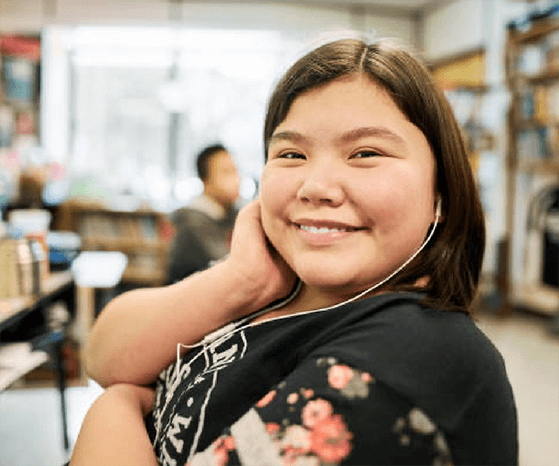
{"x":321,"y":186}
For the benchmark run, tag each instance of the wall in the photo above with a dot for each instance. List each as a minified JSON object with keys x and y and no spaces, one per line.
{"x":30,"y":16}
{"x":62,"y":15}
{"x":453,"y":28}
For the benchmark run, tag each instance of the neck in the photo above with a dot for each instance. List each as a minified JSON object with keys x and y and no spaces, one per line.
{"x":214,"y":199}
{"x":310,"y":298}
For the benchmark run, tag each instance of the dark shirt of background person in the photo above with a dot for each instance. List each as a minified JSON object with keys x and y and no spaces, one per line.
{"x":203,"y":228}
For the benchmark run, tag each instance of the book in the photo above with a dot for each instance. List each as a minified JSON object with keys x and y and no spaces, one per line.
{"x":9,"y":281}
{"x":540,"y":104}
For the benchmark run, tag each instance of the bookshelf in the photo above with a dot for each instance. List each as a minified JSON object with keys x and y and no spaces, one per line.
{"x":142,"y":235}
{"x":16,"y":360}
{"x":532,"y":76}
{"x":462,"y":77}
{"x":20,"y":60}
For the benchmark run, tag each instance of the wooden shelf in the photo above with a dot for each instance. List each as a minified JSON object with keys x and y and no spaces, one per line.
{"x":474,"y":88}
{"x":95,"y":207}
{"x":141,"y":275}
{"x":542,"y":298}
{"x":141,"y":233}
{"x":124,"y":245}
{"x":55,"y":281}
{"x":537,"y":32}
{"x":534,"y":123}
{"x":546,"y":76}
{"x":537,"y":166}
{"x":538,"y":90}
{"x":487,"y":284}
{"x":16,"y":360}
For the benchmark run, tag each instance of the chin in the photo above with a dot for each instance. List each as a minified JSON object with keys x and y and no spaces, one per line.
{"x":342,"y":280}
{"x":325,"y":278}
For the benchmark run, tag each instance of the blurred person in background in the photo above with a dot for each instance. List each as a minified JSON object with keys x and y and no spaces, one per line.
{"x":203,"y":228}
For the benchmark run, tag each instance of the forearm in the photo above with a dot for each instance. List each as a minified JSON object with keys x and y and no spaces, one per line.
{"x":113,"y":432}
{"x":135,"y":336}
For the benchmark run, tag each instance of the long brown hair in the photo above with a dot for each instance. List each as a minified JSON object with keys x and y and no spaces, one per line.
{"x":453,"y":258}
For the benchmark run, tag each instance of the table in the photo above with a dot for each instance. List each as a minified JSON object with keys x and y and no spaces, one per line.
{"x":19,"y":358}
{"x":90,"y":270}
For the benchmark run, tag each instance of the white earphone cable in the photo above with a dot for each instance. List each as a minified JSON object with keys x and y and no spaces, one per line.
{"x":228,"y":329}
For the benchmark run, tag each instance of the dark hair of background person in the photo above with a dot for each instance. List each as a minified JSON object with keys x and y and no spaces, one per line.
{"x":453,"y":258}
{"x":203,"y":159}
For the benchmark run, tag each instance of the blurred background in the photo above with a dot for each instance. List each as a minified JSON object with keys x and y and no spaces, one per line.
{"x":104,"y":105}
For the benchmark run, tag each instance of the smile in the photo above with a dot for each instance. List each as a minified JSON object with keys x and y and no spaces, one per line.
{"x":312,"y":229}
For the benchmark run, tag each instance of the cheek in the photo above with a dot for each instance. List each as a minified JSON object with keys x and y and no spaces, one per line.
{"x":272,"y":199}
{"x":229,"y":180}
{"x":379,"y":196}
{"x":234,"y":184}
{"x":398,"y":202}
{"x":387,"y":209}
{"x":275,"y":190}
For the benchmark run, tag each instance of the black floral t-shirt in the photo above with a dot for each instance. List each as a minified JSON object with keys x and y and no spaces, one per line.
{"x":377,"y":381}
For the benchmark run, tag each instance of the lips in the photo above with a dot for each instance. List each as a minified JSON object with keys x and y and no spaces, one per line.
{"x":325,"y":227}
{"x":313,"y":229}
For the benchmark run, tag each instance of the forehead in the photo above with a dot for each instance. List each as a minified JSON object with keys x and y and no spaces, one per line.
{"x":347,"y":96}
{"x":346,"y":104}
{"x":220,"y":157}
{"x":219,"y":161}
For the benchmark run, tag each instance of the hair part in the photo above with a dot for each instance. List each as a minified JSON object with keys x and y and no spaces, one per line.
{"x":453,"y":258}
{"x":203,"y":159}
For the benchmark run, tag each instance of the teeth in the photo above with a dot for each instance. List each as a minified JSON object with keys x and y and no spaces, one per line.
{"x":312,"y":229}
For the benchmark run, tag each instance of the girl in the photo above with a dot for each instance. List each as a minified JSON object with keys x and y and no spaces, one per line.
{"x":338,"y":330}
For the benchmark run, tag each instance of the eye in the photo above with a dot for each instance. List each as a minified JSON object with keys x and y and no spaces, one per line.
{"x":290,"y":155}
{"x":365,"y":154}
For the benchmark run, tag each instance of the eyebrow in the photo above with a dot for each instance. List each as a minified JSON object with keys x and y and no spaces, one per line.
{"x":292,"y":136}
{"x":372,"y":131}
{"x":350,"y":136}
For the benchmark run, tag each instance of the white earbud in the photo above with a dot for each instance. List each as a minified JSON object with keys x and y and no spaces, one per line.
{"x":438,"y":209}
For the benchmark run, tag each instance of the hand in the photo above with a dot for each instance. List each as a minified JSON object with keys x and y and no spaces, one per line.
{"x":253,"y":256}
{"x":132,"y":343}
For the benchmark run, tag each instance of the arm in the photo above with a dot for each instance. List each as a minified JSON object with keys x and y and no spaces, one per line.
{"x":135,"y":336}
{"x":113,"y":431}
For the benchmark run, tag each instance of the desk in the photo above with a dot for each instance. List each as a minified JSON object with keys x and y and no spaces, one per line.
{"x":90,"y":270}
{"x":19,"y":358}
{"x":16,"y":308}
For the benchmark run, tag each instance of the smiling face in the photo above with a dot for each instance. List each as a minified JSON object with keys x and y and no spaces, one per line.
{"x":347,"y":192}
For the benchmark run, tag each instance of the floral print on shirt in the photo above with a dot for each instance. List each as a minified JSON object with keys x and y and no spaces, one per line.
{"x":313,"y":431}
{"x":318,"y":435}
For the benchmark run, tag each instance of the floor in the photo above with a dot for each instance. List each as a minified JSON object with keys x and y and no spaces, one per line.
{"x":31,"y":432}
{"x":531,"y":354}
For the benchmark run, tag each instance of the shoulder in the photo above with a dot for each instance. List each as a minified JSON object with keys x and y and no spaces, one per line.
{"x":432,"y":330}
{"x":190,"y":217}
{"x":447,"y":366}
{"x":426,"y":333}
{"x":438,"y":360}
